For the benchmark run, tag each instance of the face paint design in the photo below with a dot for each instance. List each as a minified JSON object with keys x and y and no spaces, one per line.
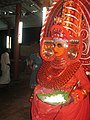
{"x":59,"y":46}
{"x":58,"y":49}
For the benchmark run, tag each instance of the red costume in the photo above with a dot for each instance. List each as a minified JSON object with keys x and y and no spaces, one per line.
{"x":64,"y":47}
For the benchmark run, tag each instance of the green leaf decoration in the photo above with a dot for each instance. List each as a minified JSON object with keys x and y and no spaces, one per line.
{"x":54,"y":98}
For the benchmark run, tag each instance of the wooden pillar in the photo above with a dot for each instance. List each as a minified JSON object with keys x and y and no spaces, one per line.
{"x":16,"y":44}
{"x":9,"y":29}
{"x":46,"y":3}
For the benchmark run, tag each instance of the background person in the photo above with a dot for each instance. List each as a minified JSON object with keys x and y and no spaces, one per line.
{"x":5,"y":67}
{"x":35,"y":63}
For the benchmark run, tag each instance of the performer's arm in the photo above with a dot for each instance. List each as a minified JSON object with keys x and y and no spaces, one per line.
{"x":83,"y":88}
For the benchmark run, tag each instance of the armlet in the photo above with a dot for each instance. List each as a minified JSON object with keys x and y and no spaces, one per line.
{"x":79,"y":95}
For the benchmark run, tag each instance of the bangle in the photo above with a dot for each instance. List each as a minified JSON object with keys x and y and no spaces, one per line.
{"x":84,"y":92}
{"x":79,"y":95}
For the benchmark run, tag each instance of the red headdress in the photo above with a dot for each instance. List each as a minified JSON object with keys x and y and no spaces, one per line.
{"x":68,"y":23}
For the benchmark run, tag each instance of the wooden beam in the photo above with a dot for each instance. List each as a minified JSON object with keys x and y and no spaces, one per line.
{"x":46,"y":3}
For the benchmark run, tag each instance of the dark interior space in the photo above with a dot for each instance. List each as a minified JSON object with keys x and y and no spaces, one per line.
{"x":15,"y":97}
{"x":30,"y":36}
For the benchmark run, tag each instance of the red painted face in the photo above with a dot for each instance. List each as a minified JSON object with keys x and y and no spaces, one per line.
{"x":58,"y":49}
{"x":51,"y":48}
{"x":60,"y":45}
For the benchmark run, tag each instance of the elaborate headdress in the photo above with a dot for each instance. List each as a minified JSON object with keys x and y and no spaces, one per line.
{"x":67,"y":22}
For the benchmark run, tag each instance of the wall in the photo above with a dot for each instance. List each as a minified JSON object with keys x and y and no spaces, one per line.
{"x":30,"y":36}
{"x":30,"y":44}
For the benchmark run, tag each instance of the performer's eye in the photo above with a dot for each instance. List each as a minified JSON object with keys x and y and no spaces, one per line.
{"x":58,"y":45}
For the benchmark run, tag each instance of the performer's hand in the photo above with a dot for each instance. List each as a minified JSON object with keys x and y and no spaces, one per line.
{"x":70,"y":100}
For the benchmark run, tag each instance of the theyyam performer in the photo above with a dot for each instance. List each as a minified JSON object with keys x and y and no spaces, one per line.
{"x":63,"y":87}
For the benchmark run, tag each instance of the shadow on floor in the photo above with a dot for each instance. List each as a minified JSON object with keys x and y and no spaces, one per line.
{"x":14,"y":99}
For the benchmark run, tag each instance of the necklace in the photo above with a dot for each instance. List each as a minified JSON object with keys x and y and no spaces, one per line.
{"x":54,"y":78}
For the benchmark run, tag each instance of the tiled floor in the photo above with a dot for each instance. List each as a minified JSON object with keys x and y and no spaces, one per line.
{"x":14,"y":100}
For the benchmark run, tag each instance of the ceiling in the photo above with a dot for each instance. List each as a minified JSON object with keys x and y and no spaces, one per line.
{"x":31,"y":13}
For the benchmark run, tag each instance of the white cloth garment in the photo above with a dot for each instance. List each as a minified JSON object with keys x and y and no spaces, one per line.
{"x":5,"y":78}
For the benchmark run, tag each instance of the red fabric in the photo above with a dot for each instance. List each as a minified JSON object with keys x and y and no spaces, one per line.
{"x":73,"y":111}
